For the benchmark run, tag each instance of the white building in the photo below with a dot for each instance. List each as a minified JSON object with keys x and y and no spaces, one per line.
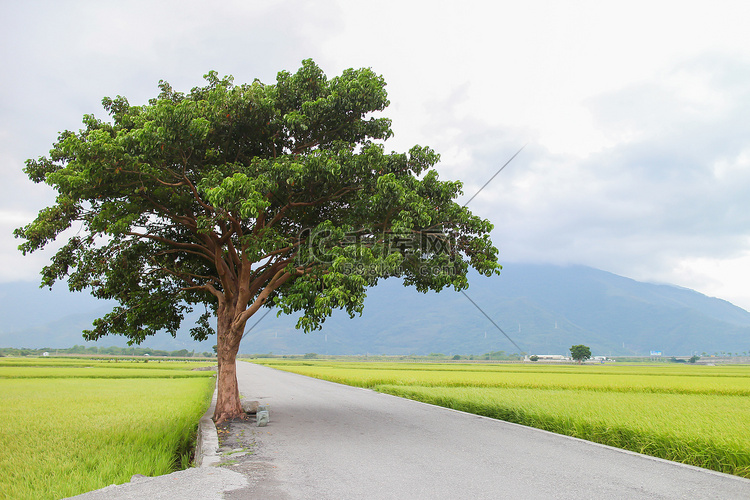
{"x":547,"y":357}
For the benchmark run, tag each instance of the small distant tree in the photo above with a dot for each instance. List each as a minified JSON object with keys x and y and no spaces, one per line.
{"x":456,"y":357}
{"x":534,"y":358}
{"x":580,"y":353}
{"x":694,"y":358}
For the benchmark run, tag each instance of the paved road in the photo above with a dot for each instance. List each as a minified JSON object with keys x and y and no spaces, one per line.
{"x":328,"y":441}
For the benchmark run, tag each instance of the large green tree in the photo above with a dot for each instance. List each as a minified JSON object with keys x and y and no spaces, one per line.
{"x":238,"y":197}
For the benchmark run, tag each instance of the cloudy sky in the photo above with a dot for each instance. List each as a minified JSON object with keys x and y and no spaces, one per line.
{"x":635,"y":115}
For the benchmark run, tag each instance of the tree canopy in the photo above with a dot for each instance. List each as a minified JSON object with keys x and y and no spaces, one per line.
{"x":238,"y":197}
{"x":580,"y":353}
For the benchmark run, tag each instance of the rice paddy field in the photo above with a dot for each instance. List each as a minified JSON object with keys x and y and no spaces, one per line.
{"x":68,"y":426}
{"x":698,"y":415}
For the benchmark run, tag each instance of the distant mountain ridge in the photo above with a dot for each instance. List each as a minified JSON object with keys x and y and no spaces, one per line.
{"x":37,"y":317}
{"x":544,"y":309}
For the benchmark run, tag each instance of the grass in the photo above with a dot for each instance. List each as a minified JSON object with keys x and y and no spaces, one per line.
{"x":697,"y":415}
{"x":96,"y":372}
{"x":80,"y":425}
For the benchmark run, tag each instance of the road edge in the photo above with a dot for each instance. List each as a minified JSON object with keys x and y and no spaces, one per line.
{"x":207,"y":440}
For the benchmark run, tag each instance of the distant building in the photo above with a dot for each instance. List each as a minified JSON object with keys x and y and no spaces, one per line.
{"x":45,"y":354}
{"x":548,"y":357}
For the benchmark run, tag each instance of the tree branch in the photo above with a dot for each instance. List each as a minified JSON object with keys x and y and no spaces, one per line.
{"x":188,"y":247}
{"x":279,"y":279}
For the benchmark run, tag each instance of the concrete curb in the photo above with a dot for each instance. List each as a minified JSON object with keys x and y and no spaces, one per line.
{"x":207,"y":441}
{"x":206,"y":483}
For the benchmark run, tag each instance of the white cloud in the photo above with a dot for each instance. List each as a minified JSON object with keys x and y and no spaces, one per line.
{"x":725,"y":278}
{"x":638,"y":157}
{"x":672,"y":188}
{"x":16,"y":267}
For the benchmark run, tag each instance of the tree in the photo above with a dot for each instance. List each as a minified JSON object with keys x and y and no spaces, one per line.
{"x":238,"y":197}
{"x":580,"y":353}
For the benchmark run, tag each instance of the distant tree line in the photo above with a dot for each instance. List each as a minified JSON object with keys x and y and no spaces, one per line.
{"x":494,"y":355}
{"x":107,"y":351}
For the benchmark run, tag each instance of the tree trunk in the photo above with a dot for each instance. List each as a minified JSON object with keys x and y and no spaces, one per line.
{"x":228,"y":404}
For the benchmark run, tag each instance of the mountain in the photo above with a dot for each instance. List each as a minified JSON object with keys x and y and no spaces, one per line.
{"x":36,"y":317}
{"x":544,"y":309}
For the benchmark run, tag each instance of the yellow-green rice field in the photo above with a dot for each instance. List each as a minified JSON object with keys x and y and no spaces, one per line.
{"x":70,"y":426}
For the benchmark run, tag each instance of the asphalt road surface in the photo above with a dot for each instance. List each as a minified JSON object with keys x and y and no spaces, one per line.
{"x":329,"y":441}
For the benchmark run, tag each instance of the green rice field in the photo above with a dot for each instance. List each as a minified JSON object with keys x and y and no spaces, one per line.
{"x":698,"y":415}
{"x":68,"y":426}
